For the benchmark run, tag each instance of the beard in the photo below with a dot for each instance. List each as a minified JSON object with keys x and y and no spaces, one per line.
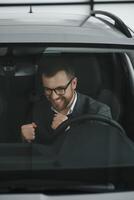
{"x":60,"y":103}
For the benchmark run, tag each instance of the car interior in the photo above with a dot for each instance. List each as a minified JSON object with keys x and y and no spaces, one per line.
{"x":103,"y":76}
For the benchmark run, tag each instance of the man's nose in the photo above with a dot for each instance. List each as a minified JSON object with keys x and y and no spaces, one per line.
{"x":54,"y":95}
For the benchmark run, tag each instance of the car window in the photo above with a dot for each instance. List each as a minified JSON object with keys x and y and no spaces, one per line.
{"x":100,"y":135}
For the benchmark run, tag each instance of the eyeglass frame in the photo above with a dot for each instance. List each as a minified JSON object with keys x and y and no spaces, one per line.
{"x":64,"y":88}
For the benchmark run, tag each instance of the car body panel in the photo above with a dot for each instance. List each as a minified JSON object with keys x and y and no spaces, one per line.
{"x":110,"y":196}
{"x":90,"y":33}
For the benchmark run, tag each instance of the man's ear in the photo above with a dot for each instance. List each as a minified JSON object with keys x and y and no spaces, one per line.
{"x":74,"y":83}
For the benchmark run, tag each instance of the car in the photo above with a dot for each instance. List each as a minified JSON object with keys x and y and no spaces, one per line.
{"x":100,"y":48}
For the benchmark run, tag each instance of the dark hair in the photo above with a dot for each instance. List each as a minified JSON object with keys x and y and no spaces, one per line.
{"x":51,"y":66}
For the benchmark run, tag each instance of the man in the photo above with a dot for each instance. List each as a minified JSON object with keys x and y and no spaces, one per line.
{"x":61,"y":102}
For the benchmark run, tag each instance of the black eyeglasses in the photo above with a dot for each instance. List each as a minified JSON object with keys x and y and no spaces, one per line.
{"x":59,"y":90}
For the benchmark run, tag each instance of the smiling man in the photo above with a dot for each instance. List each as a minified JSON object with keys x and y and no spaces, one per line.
{"x":60,"y":103}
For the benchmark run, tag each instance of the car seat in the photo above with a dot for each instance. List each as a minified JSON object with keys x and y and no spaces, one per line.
{"x":99,"y":76}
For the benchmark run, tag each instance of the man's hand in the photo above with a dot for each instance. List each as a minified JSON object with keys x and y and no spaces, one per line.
{"x":28,"y":131}
{"x":57,"y":120}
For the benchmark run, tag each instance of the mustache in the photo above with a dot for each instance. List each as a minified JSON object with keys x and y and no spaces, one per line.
{"x":59,"y":98}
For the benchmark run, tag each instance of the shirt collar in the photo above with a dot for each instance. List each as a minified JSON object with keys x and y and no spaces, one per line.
{"x":72,"y":104}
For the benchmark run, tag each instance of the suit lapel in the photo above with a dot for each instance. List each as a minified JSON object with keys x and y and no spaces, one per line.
{"x":79,"y":106}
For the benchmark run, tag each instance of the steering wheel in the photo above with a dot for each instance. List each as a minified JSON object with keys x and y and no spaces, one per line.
{"x":88,"y":117}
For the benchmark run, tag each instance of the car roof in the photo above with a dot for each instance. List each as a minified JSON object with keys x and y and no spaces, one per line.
{"x":92,"y":33}
{"x":67,"y":29}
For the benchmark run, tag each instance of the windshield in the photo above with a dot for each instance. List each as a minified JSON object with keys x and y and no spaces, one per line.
{"x":67,"y":112}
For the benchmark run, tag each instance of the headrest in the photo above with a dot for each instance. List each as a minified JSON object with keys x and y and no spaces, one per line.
{"x":18,"y":69}
{"x":19,"y":79}
{"x":88,"y":72}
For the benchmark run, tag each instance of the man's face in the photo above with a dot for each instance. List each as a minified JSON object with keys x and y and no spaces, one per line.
{"x":58,"y":82}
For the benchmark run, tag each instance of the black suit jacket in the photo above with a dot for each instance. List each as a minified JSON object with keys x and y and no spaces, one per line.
{"x":43,"y":115}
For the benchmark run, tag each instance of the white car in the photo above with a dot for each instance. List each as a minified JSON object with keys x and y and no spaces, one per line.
{"x":100,"y":163}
